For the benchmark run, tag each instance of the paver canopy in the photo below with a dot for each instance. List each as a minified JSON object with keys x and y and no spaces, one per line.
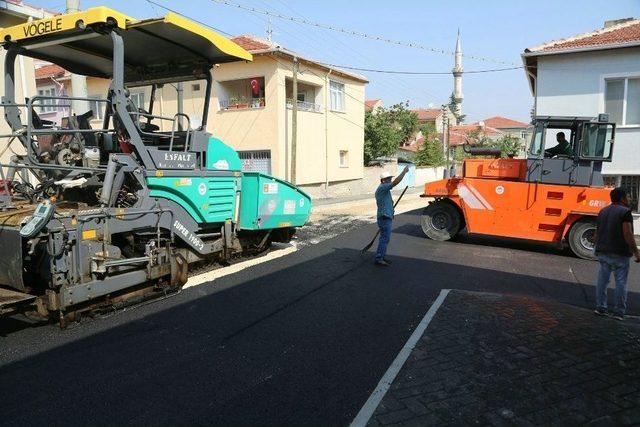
{"x":161,"y":50}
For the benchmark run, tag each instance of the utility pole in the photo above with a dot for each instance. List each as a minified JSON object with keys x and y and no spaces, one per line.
{"x":78,"y":82}
{"x":180,"y":96}
{"x":448,"y":148}
{"x":269,"y":31}
{"x":294,"y":120}
{"x":445,"y":140}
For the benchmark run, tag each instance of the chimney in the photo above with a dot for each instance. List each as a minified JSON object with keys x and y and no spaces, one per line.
{"x":612,"y":22}
{"x":481,"y":124}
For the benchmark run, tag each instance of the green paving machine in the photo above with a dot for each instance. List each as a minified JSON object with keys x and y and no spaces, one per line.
{"x":93,"y":217}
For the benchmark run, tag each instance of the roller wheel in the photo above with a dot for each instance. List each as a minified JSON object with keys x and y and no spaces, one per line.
{"x":581,"y":238}
{"x":441,"y":221}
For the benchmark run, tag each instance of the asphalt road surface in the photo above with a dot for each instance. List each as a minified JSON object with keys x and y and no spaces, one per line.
{"x":300,"y":340}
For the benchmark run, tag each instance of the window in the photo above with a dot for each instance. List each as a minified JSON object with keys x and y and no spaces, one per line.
{"x":622,"y":100}
{"x":596,"y":141}
{"x":631,"y":183}
{"x":97,"y":107}
{"x":344,"y":158}
{"x":256,"y":161}
{"x":302,"y":96}
{"x":523,"y":134}
{"x":138,"y":99}
{"x":611,"y":181}
{"x":337,"y":96}
{"x":536,"y":143}
{"x":195,"y":87}
{"x":47,"y":105}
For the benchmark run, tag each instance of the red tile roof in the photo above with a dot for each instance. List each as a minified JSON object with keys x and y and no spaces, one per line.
{"x":257,"y":45}
{"x":620,"y":34}
{"x":51,"y":70}
{"x":498,"y":122}
{"x":427,"y":113}
{"x":250,"y":43}
{"x":458,"y":135}
{"x":370,"y":104}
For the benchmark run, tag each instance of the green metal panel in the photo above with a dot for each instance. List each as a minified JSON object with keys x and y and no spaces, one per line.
{"x":222,"y":157}
{"x":267,"y":202}
{"x":207,"y":199}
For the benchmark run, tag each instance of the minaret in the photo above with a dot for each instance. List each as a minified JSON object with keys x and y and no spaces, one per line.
{"x":457,"y":76}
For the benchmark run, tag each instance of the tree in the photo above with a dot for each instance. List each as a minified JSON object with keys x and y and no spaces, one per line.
{"x":387,"y":129}
{"x":509,"y":145}
{"x":453,"y":106}
{"x":432,"y":152}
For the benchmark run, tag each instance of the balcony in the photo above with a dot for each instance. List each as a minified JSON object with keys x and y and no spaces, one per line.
{"x":241,"y":94}
{"x":305,"y":106}
{"x":241,"y":104}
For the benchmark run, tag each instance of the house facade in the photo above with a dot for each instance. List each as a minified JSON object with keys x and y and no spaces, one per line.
{"x":435,"y":117}
{"x":509,"y":127}
{"x":251,"y":110}
{"x":592,"y":73}
{"x":373,"y":105}
{"x":15,"y":13}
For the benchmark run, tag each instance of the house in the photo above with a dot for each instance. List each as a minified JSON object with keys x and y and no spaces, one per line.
{"x":330,"y":116}
{"x":14,"y":12}
{"x":592,"y":73}
{"x":251,"y":110}
{"x":509,"y":127}
{"x":373,"y":104}
{"x":435,"y":116}
{"x":514,"y":128}
{"x":462,"y":134}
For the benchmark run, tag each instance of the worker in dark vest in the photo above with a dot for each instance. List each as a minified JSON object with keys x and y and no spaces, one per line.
{"x":615,"y":244}
{"x":385,"y":213}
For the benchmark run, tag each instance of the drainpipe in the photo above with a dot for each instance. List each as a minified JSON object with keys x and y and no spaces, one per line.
{"x":326,"y":133}
{"x":180,"y":96}
{"x":61,"y":92}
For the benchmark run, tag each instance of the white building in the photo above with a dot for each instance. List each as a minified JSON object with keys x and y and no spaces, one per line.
{"x":592,"y":73}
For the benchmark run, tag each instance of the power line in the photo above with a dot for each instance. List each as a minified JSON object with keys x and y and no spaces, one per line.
{"x":193,"y":19}
{"x":356,"y":33}
{"x":347,"y":67}
{"x":420,"y":73}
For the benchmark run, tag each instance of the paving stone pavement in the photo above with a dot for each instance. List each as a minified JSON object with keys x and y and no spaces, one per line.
{"x":489,"y":359}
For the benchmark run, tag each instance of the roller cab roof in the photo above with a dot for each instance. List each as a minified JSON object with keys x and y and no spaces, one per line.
{"x":165,"y":49}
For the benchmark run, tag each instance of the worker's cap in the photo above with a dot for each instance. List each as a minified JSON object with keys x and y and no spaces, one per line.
{"x":385,"y":175}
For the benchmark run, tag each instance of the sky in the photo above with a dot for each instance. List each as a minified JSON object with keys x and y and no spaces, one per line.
{"x":498,"y":31}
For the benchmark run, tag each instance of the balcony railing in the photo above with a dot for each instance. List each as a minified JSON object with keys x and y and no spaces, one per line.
{"x":305,"y":106}
{"x":232,"y":104}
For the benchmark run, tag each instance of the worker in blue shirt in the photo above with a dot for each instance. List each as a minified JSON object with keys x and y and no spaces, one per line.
{"x":385,"y":213}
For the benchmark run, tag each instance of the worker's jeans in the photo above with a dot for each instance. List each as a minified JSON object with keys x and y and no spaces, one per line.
{"x":619,"y":266}
{"x":384,"y":224}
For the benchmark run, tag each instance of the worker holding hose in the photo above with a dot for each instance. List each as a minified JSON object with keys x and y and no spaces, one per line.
{"x":385,"y":213}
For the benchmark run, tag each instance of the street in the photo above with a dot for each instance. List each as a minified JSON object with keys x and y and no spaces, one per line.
{"x":302,"y":339}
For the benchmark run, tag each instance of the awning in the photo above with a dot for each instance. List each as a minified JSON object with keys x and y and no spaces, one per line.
{"x":164,"y":49}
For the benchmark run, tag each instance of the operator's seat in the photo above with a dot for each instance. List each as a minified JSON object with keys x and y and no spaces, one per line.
{"x":137,"y":118}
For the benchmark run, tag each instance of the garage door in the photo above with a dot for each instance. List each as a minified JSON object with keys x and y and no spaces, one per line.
{"x":256,"y":161}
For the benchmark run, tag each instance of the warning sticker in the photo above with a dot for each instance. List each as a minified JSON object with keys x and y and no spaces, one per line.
{"x":289,"y":207}
{"x":270,"y":188}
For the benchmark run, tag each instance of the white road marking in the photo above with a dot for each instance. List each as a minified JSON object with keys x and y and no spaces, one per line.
{"x":374,"y":400}
{"x":283,"y":249}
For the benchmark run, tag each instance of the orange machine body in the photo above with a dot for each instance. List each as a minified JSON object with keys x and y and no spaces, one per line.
{"x":495,"y":199}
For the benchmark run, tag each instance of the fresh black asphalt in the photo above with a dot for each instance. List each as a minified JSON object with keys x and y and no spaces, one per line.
{"x":300,"y":340}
